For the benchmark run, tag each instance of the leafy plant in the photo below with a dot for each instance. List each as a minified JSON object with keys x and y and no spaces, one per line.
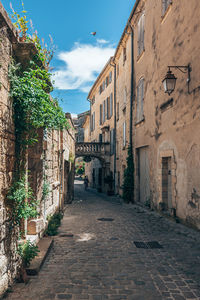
{"x":128,"y":184}
{"x":45,"y":189}
{"x":23,"y":203}
{"x":27,"y":250}
{"x":54,"y":223}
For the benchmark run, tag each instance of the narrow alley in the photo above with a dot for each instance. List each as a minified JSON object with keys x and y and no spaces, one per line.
{"x":94,"y":255}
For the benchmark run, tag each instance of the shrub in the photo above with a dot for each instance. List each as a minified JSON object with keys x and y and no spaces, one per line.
{"x":27,"y":250}
{"x":54,"y":223}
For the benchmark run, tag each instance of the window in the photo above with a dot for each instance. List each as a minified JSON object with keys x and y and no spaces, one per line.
{"x":100,"y":114}
{"x":107,"y":81}
{"x":93,"y":122}
{"x":93,"y":100}
{"x":141,"y":34}
{"x":111,"y":105}
{"x":117,"y":70}
{"x":124,"y":55}
{"x":117,"y":111}
{"x":100,"y":138}
{"x":104,"y":111}
{"x":110,"y":77}
{"x":165,"y":5}
{"x":112,"y":142}
{"x":108,"y":107}
{"x":140,"y":100}
{"x":125,"y":96}
{"x":103,"y":86}
{"x":124,"y":134}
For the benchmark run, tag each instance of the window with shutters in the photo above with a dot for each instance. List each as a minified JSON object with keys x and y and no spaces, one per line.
{"x":110,"y":77}
{"x":93,"y":122}
{"x":100,"y":114}
{"x":107,"y":81}
{"x":124,"y":55}
{"x":124,"y":134}
{"x":108,"y":107}
{"x":165,"y":5}
{"x":141,"y":34}
{"x":104,"y":111}
{"x":117,"y":111}
{"x":112,"y":142}
{"x":140,"y":100}
{"x":111,"y":105}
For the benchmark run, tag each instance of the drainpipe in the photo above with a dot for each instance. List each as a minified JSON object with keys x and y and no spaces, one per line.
{"x":115,"y":127}
{"x":132,"y":89}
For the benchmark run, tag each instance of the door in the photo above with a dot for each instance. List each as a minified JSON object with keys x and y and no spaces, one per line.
{"x":166,"y":183}
{"x":143,"y":175}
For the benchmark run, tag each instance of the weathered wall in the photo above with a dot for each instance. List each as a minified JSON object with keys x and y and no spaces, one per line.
{"x":104,"y":129}
{"x":8,"y":257}
{"x":171,"y":131}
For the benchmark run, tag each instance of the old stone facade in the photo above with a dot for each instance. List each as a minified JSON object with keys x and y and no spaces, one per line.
{"x":50,"y":160}
{"x":163,"y":129}
{"x":102,"y":127}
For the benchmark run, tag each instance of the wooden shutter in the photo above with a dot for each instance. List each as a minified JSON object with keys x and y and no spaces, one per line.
{"x":124,"y":134}
{"x":111,"y":105}
{"x":104,"y":113}
{"x":100,"y":116}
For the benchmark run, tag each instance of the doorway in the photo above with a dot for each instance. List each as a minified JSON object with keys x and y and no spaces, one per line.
{"x":166,"y":183}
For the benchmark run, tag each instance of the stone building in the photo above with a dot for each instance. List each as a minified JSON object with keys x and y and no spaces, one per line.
{"x":164,"y":126}
{"x":102,"y":126}
{"x":50,"y":160}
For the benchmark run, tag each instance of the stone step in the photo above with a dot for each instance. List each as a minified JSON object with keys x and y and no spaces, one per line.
{"x":44,"y":247}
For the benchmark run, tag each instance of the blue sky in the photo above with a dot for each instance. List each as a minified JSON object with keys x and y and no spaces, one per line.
{"x":79,"y":56}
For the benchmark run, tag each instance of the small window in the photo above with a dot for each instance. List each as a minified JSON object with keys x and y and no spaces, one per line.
{"x":141,"y":35}
{"x":111,"y":105}
{"x":93,"y":100}
{"x":124,"y":134}
{"x":140,"y":100}
{"x":100,"y":138}
{"x":103,"y":86}
{"x":104,"y":111}
{"x":107,"y":81}
{"x":93,"y":122}
{"x":100,"y":114}
{"x":108,"y":107}
{"x":110,"y":77}
{"x":112,"y":142}
{"x":165,"y":5}
{"x":117,"y":70}
{"x":117,"y":111}
{"x":125,"y":96}
{"x":124,"y":55}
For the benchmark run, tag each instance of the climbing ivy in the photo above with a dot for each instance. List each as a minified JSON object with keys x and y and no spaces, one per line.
{"x":33,"y":108}
{"x":128,"y":184}
{"x":22,"y":202}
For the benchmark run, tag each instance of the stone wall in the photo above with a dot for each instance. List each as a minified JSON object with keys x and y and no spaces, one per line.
{"x":8,"y":257}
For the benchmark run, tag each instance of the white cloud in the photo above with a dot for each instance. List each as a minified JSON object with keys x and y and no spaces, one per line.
{"x":102,"y":41}
{"x":82,"y":65}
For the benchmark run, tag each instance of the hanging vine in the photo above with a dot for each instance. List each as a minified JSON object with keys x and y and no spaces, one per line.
{"x":33,"y":108}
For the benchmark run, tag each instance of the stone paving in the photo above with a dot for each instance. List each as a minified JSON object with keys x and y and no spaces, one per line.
{"x":101,"y":261}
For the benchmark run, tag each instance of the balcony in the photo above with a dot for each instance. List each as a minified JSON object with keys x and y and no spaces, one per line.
{"x":99,"y":150}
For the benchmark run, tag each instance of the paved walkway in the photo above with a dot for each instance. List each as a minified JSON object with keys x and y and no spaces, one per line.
{"x":101,"y":260}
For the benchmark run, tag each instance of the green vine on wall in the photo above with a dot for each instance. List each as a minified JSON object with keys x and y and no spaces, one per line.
{"x":33,"y":108}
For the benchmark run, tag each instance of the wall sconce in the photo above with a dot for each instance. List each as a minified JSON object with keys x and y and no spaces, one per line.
{"x":169,"y":82}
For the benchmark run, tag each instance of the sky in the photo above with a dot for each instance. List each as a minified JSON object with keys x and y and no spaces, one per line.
{"x":79,"y":56}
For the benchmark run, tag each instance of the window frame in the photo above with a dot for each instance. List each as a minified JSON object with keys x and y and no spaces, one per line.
{"x":141,"y":34}
{"x":140,"y":101}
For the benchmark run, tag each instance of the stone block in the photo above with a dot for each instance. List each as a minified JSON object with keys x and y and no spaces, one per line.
{"x":35,"y":226}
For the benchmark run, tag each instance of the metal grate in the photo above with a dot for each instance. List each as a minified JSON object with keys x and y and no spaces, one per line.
{"x":148,"y":245}
{"x":105,"y":219}
{"x":66,"y":235}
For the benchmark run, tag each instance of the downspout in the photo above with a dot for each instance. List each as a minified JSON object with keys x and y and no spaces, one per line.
{"x":115,"y":127}
{"x":132,"y":90}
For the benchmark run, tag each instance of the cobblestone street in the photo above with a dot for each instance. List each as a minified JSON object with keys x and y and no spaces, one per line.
{"x":97,"y":259}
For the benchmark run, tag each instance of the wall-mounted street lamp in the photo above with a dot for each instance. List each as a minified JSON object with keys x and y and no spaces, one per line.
{"x":169,"y":82}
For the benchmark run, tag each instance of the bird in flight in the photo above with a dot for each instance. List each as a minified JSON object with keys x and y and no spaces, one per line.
{"x":93,"y":33}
